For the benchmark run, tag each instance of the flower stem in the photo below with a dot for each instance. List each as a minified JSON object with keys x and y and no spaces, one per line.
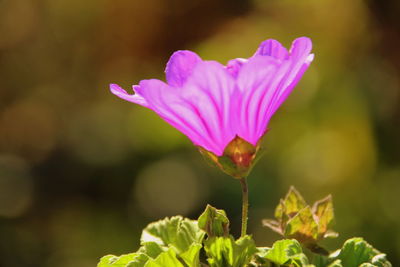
{"x":245,"y":205}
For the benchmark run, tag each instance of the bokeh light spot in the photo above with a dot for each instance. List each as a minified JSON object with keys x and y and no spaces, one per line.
{"x":168,"y":187}
{"x":96,"y":135}
{"x":28,"y":129}
{"x":18,"y":20}
{"x":148,"y":132}
{"x":330,"y":156}
{"x":16,"y":186}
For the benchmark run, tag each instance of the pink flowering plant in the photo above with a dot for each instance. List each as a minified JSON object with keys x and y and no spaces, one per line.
{"x":225,"y":110}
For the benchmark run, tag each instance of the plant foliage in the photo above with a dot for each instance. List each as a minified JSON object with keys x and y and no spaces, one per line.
{"x":180,"y":242}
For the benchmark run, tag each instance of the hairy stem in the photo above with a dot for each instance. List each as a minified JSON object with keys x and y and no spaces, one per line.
{"x":245,"y":205}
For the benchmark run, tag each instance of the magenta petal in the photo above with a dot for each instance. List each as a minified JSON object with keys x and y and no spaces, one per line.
{"x":300,"y":58}
{"x":235,"y":65}
{"x":258,"y":81}
{"x":285,"y":93}
{"x":167,"y":103}
{"x":272,"y":48}
{"x":210,"y":92}
{"x":301,"y":48}
{"x":180,"y":67}
{"x":135,"y":98}
{"x":266,"y":81}
{"x":193,"y":109}
{"x":202,"y":109}
{"x":212,"y":104}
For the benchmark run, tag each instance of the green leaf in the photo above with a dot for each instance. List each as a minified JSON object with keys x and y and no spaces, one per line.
{"x":139,"y":261}
{"x":219,"y":251}
{"x":151,"y":249}
{"x":165,"y":259}
{"x":176,"y":232}
{"x":226,"y":252}
{"x":287,"y":251}
{"x":286,"y":209}
{"x":323,"y":210}
{"x":273,"y":225}
{"x":357,"y":251}
{"x":123,"y":260}
{"x":295,"y":219}
{"x":244,"y":250}
{"x":279,"y":210}
{"x":214,"y":222}
{"x":259,"y":257}
{"x":336,"y":263}
{"x":191,"y":256}
{"x":320,"y":261}
{"x":182,"y":235}
{"x":293,"y":202}
{"x":302,"y":227}
{"x":330,"y":234}
{"x":279,"y":253}
{"x":106,"y":261}
{"x":380,"y":260}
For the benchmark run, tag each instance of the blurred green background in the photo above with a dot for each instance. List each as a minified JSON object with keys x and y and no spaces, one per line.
{"x":82,"y":172}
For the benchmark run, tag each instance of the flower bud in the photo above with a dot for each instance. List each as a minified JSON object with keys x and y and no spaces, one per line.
{"x":238,"y":158}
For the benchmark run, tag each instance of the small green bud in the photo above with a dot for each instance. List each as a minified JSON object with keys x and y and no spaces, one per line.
{"x":214,"y":222}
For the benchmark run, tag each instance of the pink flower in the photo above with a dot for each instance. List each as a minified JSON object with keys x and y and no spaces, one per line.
{"x":212,"y":104}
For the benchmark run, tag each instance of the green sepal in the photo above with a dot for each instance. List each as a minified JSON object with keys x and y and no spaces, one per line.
{"x":238,"y":158}
{"x":214,"y":222}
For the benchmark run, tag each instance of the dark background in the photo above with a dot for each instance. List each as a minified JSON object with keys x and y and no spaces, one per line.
{"x":82,"y":172}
